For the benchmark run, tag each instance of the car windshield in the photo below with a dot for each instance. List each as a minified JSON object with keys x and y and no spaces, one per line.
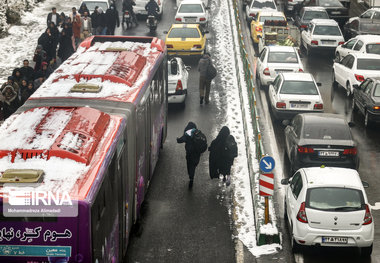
{"x":276,"y":18}
{"x":299,"y":88}
{"x":368,"y":64}
{"x":282,"y":57}
{"x":327,"y":131}
{"x":261,"y":5}
{"x":330,"y":3}
{"x":327,"y":31}
{"x":91,"y":5}
{"x":335,"y":199}
{"x":370,"y":28}
{"x":184,"y":33}
{"x":373,"y":48}
{"x":190,"y":8}
{"x":376,"y":92}
{"x":309,"y":15}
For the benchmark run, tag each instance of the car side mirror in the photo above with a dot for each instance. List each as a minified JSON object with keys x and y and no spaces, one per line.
{"x":187,"y":68}
{"x":285,"y":122}
{"x":165,"y":32}
{"x":319,"y":84}
{"x":356,"y":86}
{"x":364,"y":183}
{"x":285,"y":181}
{"x":351,"y":124}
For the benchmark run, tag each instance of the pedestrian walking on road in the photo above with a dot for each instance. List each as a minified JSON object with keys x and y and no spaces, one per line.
{"x":193,"y":148}
{"x":102,"y":23}
{"x":223,"y":151}
{"x":112,"y":20}
{"x":206,"y":73}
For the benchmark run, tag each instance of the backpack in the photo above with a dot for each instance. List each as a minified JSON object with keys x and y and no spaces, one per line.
{"x":211,"y":71}
{"x":231,"y":147}
{"x":200,"y":141}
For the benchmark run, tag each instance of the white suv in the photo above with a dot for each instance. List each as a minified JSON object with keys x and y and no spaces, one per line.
{"x":328,"y":207}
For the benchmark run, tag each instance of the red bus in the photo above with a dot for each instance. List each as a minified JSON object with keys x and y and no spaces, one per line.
{"x":94,"y":129}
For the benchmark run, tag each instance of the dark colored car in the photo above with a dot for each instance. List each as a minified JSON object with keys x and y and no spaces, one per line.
{"x":315,"y":139}
{"x":366,"y":99}
{"x":334,"y":8}
{"x":361,"y":26}
{"x":307,"y":13}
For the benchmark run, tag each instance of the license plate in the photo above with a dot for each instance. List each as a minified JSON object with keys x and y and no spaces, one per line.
{"x":191,"y":20}
{"x":335,"y":12}
{"x":328,"y":41}
{"x":281,"y":71}
{"x":328,"y":153}
{"x":335,"y":240}
{"x":298,"y":105}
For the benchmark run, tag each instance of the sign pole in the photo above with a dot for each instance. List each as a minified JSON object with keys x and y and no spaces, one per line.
{"x":266,"y":210}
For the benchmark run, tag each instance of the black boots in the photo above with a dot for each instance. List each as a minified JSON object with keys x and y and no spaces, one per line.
{"x":190,"y":184}
{"x":201,"y":101}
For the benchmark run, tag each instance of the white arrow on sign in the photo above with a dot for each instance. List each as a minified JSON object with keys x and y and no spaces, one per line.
{"x":268,"y":165}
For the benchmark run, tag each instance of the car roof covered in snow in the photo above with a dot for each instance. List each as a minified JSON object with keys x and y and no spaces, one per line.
{"x":118,"y":68}
{"x":299,"y":76}
{"x":268,"y":12}
{"x":332,"y":176}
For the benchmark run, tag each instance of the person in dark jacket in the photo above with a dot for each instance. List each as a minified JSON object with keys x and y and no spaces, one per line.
{"x":102,"y":23}
{"x":204,"y":82}
{"x":47,"y":41}
{"x":26,"y":70}
{"x":26,"y":93}
{"x":152,"y":8}
{"x":83,"y":8}
{"x":112,"y":19}
{"x":10,"y":100}
{"x":192,"y":156}
{"x":55,"y":38}
{"x":220,"y":159}
{"x":95,"y":20}
{"x":17,"y":76}
{"x":39,"y":56}
{"x":23,"y":86}
{"x":43,"y":72}
{"x":66,"y":48}
{"x":53,"y":17}
{"x":128,"y":6}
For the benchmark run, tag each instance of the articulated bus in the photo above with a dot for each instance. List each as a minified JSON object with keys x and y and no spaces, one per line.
{"x":90,"y":136}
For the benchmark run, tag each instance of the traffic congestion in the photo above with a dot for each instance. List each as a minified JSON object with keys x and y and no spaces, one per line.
{"x":316,"y":68}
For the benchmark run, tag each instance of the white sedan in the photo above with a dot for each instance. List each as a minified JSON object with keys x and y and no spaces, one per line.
{"x":353,"y":69}
{"x":276,"y":59}
{"x":192,"y":11}
{"x":178,"y":76}
{"x":293,"y":93}
{"x":359,"y":44}
{"x":321,"y":34}
{"x":328,"y":207}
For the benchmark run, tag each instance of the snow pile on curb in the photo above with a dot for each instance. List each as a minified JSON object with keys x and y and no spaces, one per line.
{"x":225,"y":61}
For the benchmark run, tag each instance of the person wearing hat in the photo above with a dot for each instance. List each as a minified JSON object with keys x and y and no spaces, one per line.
{"x":39,"y":56}
{"x":9,"y":98}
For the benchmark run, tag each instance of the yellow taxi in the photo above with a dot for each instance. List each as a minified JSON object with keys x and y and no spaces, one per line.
{"x":259,"y":20}
{"x":186,"y":40}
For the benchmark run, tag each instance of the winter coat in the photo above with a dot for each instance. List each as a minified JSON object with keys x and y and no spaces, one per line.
{"x":101,"y":18}
{"x":152,"y":8}
{"x":39,"y":57}
{"x":49,"y":19}
{"x":10,"y":101}
{"x":26,"y":93}
{"x":128,"y":5}
{"x":89,"y":25}
{"x":112,"y":18}
{"x":66,"y":48}
{"x":83,"y":8}
{"x":219,"y":160}
{"x":27,"y":72}
{"x":203,"y":64}
{"x":76,"y":25}
{"x":191,"y":153}
{"x":47,"y":42}
{"x":94,"y":20}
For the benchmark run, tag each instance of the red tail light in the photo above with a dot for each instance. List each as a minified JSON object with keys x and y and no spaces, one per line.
{"x":300,"y":70}
{"x":281,"y":105}
{"x":197,"y":46}
{"x":169,"y":46}
{"x":367,"y":216}
{"x":266,"y":72}
{"x":178,"y":19}
{"x":259,"y":29}
{"x":359,"y":77}
{"x":350,"y":151}
{"x":301,"y":215}
{"x":318,"y":106}
{"x":126,"y":13}
{"x":302,"y":149}
{"x":202,"y":19}
{"x":303,"y":26}
{"x":314,"y":42}
{"x":340,"y":43}
{"x":179,"y":85}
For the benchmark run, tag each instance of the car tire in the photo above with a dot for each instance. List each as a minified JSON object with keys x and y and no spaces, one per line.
{"x":366,"y":251}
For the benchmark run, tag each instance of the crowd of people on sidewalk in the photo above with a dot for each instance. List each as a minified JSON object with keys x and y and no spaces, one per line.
{"x":58,"y":42}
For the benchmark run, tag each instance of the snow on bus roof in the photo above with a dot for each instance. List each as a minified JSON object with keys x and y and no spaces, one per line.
{"x":120,"y":68}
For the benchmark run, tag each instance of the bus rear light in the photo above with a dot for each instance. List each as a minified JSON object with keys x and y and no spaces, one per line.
{"x":266,"y":72}
{"x":359,"y":77}
{"x":350,"y":151}
{"x":302,"y":149}
{"x":281,"y":105}
{"x":301,"y":215}
{"x":318,"y":106}
{"x":179,"y":85}
{"x":314,"y":42}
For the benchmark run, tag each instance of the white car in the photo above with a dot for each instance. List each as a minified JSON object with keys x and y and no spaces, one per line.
{"x":321,"y":34}
{"x":328,"y":207}
{"x":139,"y":8}
{"x":205,"y":2}
{"x":276,"y":59}
{"x":104,"y":4}
{"x":256,"y":6}
{"x":178,"y":76}
{"x":192,"y":11}
{"x":359,"y":44}
{"x":293,"y":93}
{"x":353,"y":69}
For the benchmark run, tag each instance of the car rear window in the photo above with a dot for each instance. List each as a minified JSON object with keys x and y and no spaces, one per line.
{"x":184,"y":33}
{"x":330,"y":3}
{"x":327,"y":31}
{"x":376,"y":92}
{"x":276,"y":18}
{"x":335,"y":199}
{"x":368,"y":64}
{"x":282,"y":57}
{"x":373,"y":48}
{"x":190,"y":8}
{"x":299,"y":88}
{"x":266,"y":4}
{"x":326,"y":131}
{"x":91,"y":5}
{"x":309,"y":15}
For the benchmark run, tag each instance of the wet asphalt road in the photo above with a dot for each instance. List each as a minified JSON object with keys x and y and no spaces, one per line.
{"x":179,"y":225}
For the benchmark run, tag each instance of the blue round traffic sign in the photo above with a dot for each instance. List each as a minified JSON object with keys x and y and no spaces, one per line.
{"x":267,"y":164}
